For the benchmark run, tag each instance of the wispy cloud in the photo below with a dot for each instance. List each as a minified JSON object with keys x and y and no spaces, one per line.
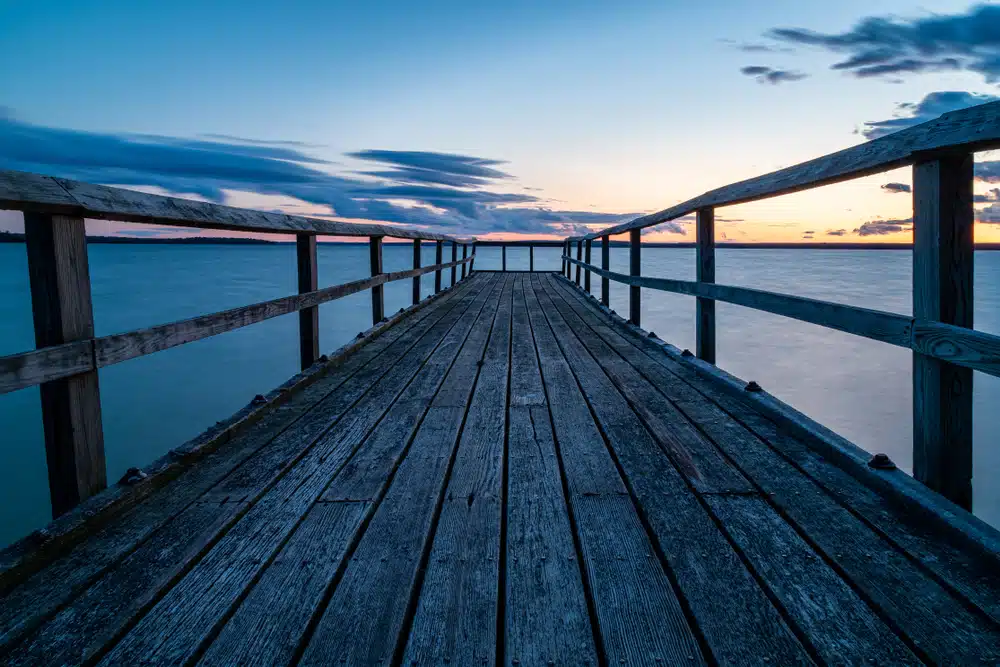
{"x":882,"y":227}
{"x":930,"y":107}
{"x":445,"y":191}
{"x":881,"y":46}
{"x":836,"y":232}
{"x":771,"y":75}
{"x":897,"y":187}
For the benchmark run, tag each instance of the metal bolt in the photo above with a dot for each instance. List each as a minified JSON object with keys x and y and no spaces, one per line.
{"x":753,"y":387}
{"x":686,"y":353}
{"x":881,"y":462}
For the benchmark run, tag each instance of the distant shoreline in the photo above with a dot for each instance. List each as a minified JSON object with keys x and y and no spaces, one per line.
{"x":11,"y":237}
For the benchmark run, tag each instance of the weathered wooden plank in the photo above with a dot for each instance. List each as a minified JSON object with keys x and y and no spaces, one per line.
{"x":503,"y":257}
{"x":35,"y":193}
{"x":375,"y":260}
{"x":308,"y":274}
{"x":62,"y":313}
{"x":454,"y":259}
{"x":840,"y":627}
{"x":943,"y":245}
{"x":364,"y":478}
{"x":365,"y":618}
{"x":438,"y":250}
{"x":27,"y":369}
{"x":586,"y":258}
{"x":456,"y":614}
{"x":465,"y":254}
{"x":635,"y":270}
{"x":579,"y":251}
{"x":531,"y":258}
{"x":638,"y":612}
{"x":416,"y":265}
{"x":705,"y":315}
{"x":241,"y":485}
{"x":187,"y":617}
{"x":973,"y":129}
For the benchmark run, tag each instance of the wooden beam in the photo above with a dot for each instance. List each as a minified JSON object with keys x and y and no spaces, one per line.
{"x":635,"y":269}
{"x":71,"y":407}
{"x":705,"y":257}
{"x":454,"y":258}
{"x":605,"y":264}
{"x":579,"y":254}
{"x":531,"y":258}
{"x":472,"y":259}
{"x":973,"y":129}
{"x":565,"y":253}
{"x":465,"y":255}
{"x":438,"y":254}
{"x":375,"y":256}
{"x":586,"y":258}
{"x":45,"y":194}
{"x":305,"y":250}
{"x":942,"y":291}
{"x":503,"y":258}
{"x":416,"y":265}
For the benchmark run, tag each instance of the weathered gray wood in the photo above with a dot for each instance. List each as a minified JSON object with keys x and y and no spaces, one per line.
{"x":579,"y":251}
{"x":625,"y":580}
{"x":246,"y":473}
{"x":27,"y":369}
{"x":438,"y":255}
{"x":707,"y":569}
{"x":180,"y":624}
{"x":35,"y":193}
{"x":456,"y":615}
{"x":606,"y":265}
{"x":943,"y":218}
{"x":586,"y":258}
{"x":635,"y":270}
{"x":565,"y":254}
{"x":416,"y":265}
{"x":465,"y":254}
{"x":503,"y":258}
{"x":375,"y":260}
{"x":537,"y":243}
{"x":62,"y":313}
{"x":305,"y":252}
{"x":454,"y":259}
{"x":705,"y":315}
{"x":973,"y":129}
{"x":531,"y":258}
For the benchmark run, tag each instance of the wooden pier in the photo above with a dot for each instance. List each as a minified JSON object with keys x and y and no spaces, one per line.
{"x":507,"y":472}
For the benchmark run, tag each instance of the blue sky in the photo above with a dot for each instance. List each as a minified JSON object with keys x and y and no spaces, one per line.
{"x":584,"y":111}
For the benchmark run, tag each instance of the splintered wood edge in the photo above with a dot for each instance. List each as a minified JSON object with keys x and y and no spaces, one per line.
{"x":30,"y":553}
{"x":956,"y":521}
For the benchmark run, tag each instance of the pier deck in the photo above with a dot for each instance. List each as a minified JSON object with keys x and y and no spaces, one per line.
{"x":509,"y":477}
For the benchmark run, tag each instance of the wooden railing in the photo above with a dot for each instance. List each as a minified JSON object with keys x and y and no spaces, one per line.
{"x":529,"y":244}
{"x":945,"y":347}
{"x":68,"y":355}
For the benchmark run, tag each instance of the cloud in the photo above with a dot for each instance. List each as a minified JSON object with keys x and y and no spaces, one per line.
{"x":891,"y":46}
{"x":836,"y":232}
{"x":896,"y":187}
{"x":770,"y":75}
{"x":929,"y":108}
{"x":444,"y":191}
{"x":989,"y":215}
{"x":988,"y":171}
{"x":882,"y":227}
{"x":990,"y":196}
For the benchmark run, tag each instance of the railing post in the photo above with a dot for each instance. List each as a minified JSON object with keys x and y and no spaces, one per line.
{"x":305,"y":252}
{"x":634,"y":269}
{"x":579,"y":256}
{"x":503,"y":257}
{"x":531,"y":258}
{"x":472,"y":263}
{"x":454,"y":258}
{"x":565,"y":254}
{"x":375,"y":254}
{"x":586,"y":258}
{"x":942,"y":291}
{"x":605,"y":264}
{"x":416,"y":265}
{"x":705,"y":257}
{"x":465,"y":255}
{"x":61,"y":308}
{"x":438,"y":251}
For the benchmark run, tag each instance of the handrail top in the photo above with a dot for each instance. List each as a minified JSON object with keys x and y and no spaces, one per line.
{"x":24,"y":191}
{"x":971,"y":129}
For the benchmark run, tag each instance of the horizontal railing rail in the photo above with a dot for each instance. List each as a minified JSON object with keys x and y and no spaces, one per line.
{"x":22,"y":191}
{"x":946,"y":348}
{"x":957,"y":345}
{"x":67,"y":354}
{"x":529,"y":244}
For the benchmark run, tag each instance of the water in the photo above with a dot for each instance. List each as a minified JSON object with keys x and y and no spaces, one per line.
{"x":858,"y":387}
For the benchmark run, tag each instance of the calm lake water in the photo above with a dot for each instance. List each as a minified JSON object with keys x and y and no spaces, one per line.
{"x":860,"y":388}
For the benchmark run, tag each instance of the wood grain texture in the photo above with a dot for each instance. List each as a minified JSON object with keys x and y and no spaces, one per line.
{"x":974,"y":129}
{"x":579,"y":251}
{"x":28,"y":192}
{"x":586,"y":258}
{"x":27,"y":369}
{"x":943,"y":246}
{"x":308,"y":275}
{"x":454,"y":260}
{"x":416,"y":265}
{"x":606,"y":265}
{"x":62,"y":313}
{"x":438,"y":259}
{"x":705,"y":273}
{"x":635,"y":270}
{"x":375,"y":262}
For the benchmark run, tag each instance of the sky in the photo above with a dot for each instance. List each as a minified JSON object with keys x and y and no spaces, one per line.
{"x":500,"y":119}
